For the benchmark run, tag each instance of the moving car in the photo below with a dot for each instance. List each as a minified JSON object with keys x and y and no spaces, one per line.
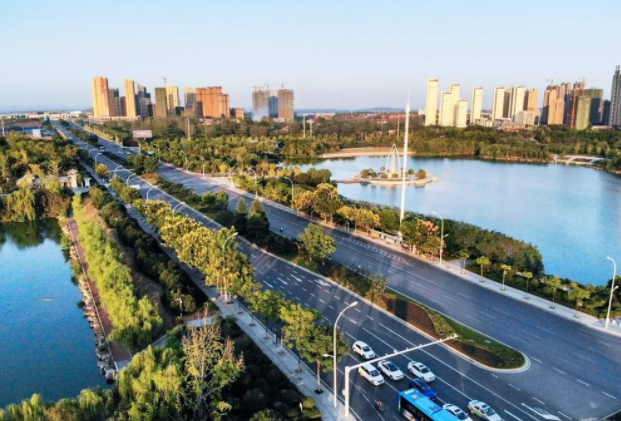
{"x":363,"y":350}
{"x":369,"y":372}
{"x":421,"y":371}
{"x":483,"y":410}
{"x":423,"y":388}
{"x":455,"y":410}
{"x":391,"y":370}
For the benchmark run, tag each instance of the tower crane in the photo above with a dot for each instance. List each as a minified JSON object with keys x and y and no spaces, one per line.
{"x":164,"y":77}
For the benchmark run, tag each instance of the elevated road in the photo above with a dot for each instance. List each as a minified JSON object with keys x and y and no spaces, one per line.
{"x":573,"y":371}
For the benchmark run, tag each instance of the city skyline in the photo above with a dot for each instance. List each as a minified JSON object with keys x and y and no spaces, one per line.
{"x":352,"y":72}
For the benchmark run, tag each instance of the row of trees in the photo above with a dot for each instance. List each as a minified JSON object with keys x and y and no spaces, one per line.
{"x":216,"y":256}
{"x":136,"y":322}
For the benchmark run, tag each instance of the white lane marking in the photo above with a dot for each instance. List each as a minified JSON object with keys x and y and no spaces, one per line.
{"x":312,"y":294}
{"x":358,"y":310}
{"x":569,"y":362}
{"x":305,"y":289}
{"x":560,"y":371}
{"x":515,"y":387}
{"x":541,"y":402}
{"x":473,"y":318}
{"x":268,"y":284}
{"x":519,"y":419}
{"x":502,"y":312}
{"x":370,"y":317}
{"x":449,"y":298}
{"x":545,"y":330}
{"x":322,"y":301}
{"x":327,"y":320}
{"x":492,"y":374}
{"x":602,"y":342}
{"x":539,"y":361}
{"x":566,"y":416}
{"x":463,"y":295}
{"x":582,"y":356}
{"x":332,"y":307}
{"x":610,"y":396}
{"x":295,"y":278}
{"x":584,"y":383}
{"x":282,"y":281}
{"x":516,"y":338}
{"x":347,"y":333}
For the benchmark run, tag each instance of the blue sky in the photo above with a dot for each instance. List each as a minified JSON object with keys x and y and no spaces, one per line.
{"x":338,"y":54}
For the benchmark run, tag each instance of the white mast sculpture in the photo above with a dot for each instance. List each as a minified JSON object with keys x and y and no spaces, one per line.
{"x":405,"y":159}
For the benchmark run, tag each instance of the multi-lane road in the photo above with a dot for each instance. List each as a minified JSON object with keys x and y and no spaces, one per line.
{"x":573,"y":371}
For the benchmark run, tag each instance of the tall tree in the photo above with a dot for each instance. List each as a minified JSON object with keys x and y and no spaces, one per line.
{"x":269,"y":305}
{"x":319,"y":341}
{"x":241,"y":216}
{"x":298,"y":321}
{"x":482,"y":262}
{"x":258,"y":224}
{"x":553,"y":284}
{"x":317,"y":243}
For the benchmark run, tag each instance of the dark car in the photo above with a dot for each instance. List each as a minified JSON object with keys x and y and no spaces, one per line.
{"x":423,"y":388}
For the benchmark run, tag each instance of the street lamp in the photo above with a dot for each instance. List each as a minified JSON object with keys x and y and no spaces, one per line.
{"x":186,"y":158}
{"x":612,"y":289}
{"x":334,"y":386}
{"x":120,"y":167}
{"x":148,"y":191}
{"x":441,"y":234}
{"x":96,"y":157}
{"x":180,"y":307}
{"x":331,"y":197}
{"x":226,"y":294}
{"x":130,"y":176}
{"x":177,"y":205}
{"x":287,"y":178}
{"x":202,"y":159}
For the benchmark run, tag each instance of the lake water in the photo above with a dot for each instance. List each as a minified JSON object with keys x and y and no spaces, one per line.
{"x":572,"y":214}
{"x":47,"y":345}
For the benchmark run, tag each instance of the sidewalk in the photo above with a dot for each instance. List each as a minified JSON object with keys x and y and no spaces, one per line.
{"x":614,"y":327}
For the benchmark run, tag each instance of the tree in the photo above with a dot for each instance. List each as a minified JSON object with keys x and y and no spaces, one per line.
{"x":319,"y":341}
{"x":267,"y":415}
{"x":463,"y":255}
{"x":269,"y":305}
{"x":241,"y":216}
{"x":421,"y":174}
{"x":298,"y":321}
{"x":578,"y":294}
{"x":482,"y":262}
{"x":317,"y":243}
{"x":505,"y":269}
{"x":258,"y":224}
{"x":553,"y":283}
{"x":528,"y":276}
{"x":211,"y":365}
{"x":102,"y":171}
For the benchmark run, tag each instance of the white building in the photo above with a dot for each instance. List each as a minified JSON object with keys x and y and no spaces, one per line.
{"x":447,"y":110}
{"x":516,"y":100}
{"x":499,"y":103}
{"x":431,"y":107}
{"x":477,"y":104}
{"x":461,"y":116}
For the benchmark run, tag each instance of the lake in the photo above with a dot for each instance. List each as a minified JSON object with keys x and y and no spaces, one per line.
{"x":47,"y":345}
{"x":572,"y":214}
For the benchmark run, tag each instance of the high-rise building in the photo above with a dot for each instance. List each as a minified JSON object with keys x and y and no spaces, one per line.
{"x":431,"y":106}
{"x":272,"y":102}
{"x":531,"y":99}
{"x":615,"y":99}
{"x":506,"y":104}
{"x":143,"y":102}
{"x":597,"y":99}
{"x":477,"y":104}
{"x":101,"y":103}
{"x":130,"y":99}
{"x":238,"y":113}
{"x":172,"y":95}
{"x":285,"y":104}
{"x":260,"y":103}
{"x":571,"y":103}
{"x":605,"y":111}
{"x":161,"y":103}
{"x":454,"y":90}
{"x":189,"y":99}
{"x":525,"y":118}
{"x":447,"y":112}
{"x":212,"y":102}
{"x":461,"y":114}
{"x":516,"y":101}
{"x":554,"y":104}
{"x":113,"y":102}
{"x":583,"y":112}
{"x":499,"y":103}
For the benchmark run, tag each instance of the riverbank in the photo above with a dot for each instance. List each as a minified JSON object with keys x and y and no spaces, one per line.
{"x":356,"y":152}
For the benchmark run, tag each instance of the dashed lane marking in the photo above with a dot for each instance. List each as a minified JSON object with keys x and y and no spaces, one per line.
{"x":560,"y":371}
{"x":584,"y":383}
{"x":509,"y":413}
{"x":516,"y":338}
{"x":582,"y":356}
{"x":539,"y":361}
{"x":515,"y":387}
{"x":541,"y":402}
{"x":566,"y":416}
{"x":312,"y":294}
{"x":332,"y":307}
{"x":492,"y":374}
{"x":610,"y":396}
{"x":604,"y":343}
{"x":322,"y":301}
{"x":268,"y":284}
{"x":358,"y":310}
{"x":370,"y":317}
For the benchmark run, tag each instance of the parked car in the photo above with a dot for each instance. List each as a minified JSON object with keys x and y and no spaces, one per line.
{"x":421,"y":371}
{"x":423,"y":388}
{"x":391,"y":370}
{"x":455,"y":410}
{"x":369,"y":372}
{"x":483,"y":410}
{"x":363,"y":350}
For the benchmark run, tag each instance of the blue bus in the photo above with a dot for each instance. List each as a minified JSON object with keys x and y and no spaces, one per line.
{"x":415,"y":406}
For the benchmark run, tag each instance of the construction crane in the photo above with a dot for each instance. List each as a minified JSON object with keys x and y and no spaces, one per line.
{"x":283,"y":85}
{"x":164,"y":77}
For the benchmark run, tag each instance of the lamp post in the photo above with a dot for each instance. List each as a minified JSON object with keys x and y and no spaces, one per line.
{"x":149,"y":191}
{"x":177,"y":205}
{"x":130,"y":176}
{"x":96,"y":157}
{"x":287,"y":178}
{"x":202,"y":159}
{"x":120,"y":167}
{"x":331,"y":197}
{"x":441,"y":234}
{"x":334,"y":386}
{"x":180,"y":307}
{"x":186,"y":158}
{"x":612,"y":289}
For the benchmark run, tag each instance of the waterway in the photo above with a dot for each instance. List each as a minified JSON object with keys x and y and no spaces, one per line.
{"x":572,"y":214}
{"x":47,"y":345}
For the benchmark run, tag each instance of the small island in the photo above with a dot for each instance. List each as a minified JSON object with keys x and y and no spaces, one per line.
{"x":392,"y":174}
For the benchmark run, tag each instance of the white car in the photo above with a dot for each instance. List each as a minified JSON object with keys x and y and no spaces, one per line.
{"x":369,"y":372}
{"x":421,"y":371}
{"x":391,"y":370}
{"x":363,"y":350}
{"x":483,"y":410}
{"x":453,"y":409}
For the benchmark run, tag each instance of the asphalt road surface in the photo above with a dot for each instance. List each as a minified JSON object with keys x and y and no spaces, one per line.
{"x":574,"y":371}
